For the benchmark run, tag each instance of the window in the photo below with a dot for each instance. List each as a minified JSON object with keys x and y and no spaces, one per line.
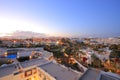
{"x":29,"y":79}
{"x":28,"y":73}
{"x":34,"y":70}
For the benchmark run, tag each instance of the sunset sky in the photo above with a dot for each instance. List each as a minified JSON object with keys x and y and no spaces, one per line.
{"x":61,"y":17}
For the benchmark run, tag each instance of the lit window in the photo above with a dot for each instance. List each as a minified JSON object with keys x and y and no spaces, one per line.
{"x":28,"y":73}
{"x":34,"y":70}
{"x":29,"y":79}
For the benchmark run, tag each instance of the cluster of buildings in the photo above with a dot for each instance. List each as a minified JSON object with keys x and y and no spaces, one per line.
{"x":27,"y":42}
{"x":110,"y":40}
{"x":53,"y":41}
{"x":44,"y":68}
{"x":85,"y":55}
{"x":114,"y":40}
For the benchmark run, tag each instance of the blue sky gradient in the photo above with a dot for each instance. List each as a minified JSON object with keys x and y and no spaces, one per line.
{"x":100,"y":18}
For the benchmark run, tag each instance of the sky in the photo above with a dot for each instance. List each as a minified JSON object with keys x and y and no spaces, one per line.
{"x":86,"y":18}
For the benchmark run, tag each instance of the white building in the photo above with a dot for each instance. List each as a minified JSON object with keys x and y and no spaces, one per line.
{"x":38,"y":69}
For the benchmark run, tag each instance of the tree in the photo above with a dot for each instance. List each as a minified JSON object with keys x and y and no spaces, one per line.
{"x":0,"y":42}
{"x":115,"y":54}
{"x":22,"y":59}
{"x":96,"y":62}
{"x":113,"y":47}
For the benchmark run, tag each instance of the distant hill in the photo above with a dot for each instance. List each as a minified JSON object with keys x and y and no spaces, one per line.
{"x":25,"y":34}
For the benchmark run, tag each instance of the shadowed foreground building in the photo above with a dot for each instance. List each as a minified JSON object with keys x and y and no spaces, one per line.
{"x":38,"y":69}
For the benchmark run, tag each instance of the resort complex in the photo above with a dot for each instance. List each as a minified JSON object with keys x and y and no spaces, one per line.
{"x":44,"y":67}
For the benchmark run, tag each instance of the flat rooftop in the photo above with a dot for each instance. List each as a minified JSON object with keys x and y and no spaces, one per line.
{"x":93,"y":74}
{"x":33,"y":62}
{"x":90,"y":74}
{"x":59,"y":72}
{"x":6,"y":70}
{"x":109,"y":76}
{"x":9,"y":69}
{"x":24,"y":53}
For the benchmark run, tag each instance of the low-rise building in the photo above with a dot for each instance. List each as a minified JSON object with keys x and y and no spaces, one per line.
{"x":37,"y":69}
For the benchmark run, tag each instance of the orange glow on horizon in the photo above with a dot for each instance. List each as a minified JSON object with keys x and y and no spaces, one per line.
{"x":11,"y":25}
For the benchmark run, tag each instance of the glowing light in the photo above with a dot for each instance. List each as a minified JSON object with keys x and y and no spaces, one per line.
{"x":4,"y":34}
{"x":33,"y":79}
{"x":5,"y":54}
{"x":57,"y":42}
{"x":14,"y":42}
{"x":30,"y":57}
